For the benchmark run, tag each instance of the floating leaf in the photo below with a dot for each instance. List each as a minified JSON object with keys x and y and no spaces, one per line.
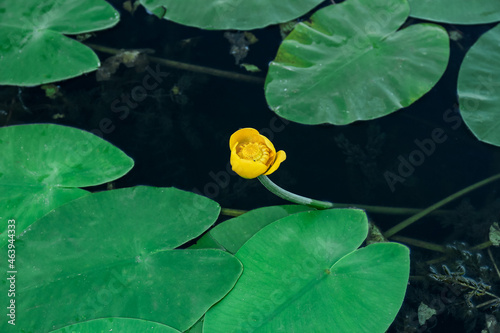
{"x":494,"y":234}
{"x":42,"y":164}
{"x":33,"y":48}
{"x":350,"y":62}
{"x":479,"y":89}
{"x":122,"y":325}
{"x":302,"y":274}
{"x":111,"y":254}
{"x":229,"y":14}
{"x":456,"y":11}
{"x":425,"y":313}
{"x":250,"y":67}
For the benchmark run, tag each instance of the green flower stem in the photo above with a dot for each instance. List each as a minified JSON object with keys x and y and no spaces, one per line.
{"x":298,"y":199}
{"x":284,"y":194}
{"x":437,"y":205}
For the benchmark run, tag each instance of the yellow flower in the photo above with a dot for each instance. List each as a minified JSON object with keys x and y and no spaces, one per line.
{"x":252,"y":154}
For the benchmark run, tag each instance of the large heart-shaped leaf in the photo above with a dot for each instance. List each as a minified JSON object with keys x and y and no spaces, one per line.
{"x":456,"y":11}
{"x":121,"y":325}
{"x":111,"y":254}
{"x":33,"y":48}
{"x":229,"y":14}
{"x":350,"y":63}
{"x":479,"y":88}
{"x":301,"y":275}
{"x":42,"y":164}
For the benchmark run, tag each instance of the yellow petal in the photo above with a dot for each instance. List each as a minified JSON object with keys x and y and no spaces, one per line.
{"x":269,"y":145}
{"x":243,"y":136}
{"x":280,"y":157}
{"x":246,"y":168}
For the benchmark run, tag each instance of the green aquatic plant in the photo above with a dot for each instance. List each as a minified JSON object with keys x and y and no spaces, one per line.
{"x":31,"y":185}
{"x":333,"y":46}
{"x":122,"y":253}
{"x":116,"y":254}
{"x":33,"y":33}
{"x":150,"y":257}
{"x":350,"y":50}
{"x":110,"y":254}
{"x":477,"y":92}
{"x":303,"y":273}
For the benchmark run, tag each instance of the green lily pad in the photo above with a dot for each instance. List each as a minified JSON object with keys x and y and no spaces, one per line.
{"x":478,"y":92}
{"x":304,"y":274}
{"x":232,"y":234}
{"x":122,"y":325}
{"x":33,"y":48}
{"x":112,"y":254}
{"x":229,"y":14}
{"x":456,"y":11}
{"x":351,"y":63}
{"x":43,"y":164}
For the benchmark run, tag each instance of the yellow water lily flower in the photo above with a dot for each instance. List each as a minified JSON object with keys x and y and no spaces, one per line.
{"x":252,"y":154}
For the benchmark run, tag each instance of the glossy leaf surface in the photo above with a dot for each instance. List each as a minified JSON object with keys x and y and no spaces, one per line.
{"x":304,"y":274}
{"x":478,"y":88}
{"x":33,"y":46}
{"x":42,"y":164}
{"x":350,"y":62}
{"x":112,"y":254}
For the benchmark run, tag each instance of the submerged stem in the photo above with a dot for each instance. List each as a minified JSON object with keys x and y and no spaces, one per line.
{"x":188,"y":67}
{"x":438,"y":204}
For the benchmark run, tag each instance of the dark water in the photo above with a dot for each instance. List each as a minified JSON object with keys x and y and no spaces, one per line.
{"x":182,"y":140}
